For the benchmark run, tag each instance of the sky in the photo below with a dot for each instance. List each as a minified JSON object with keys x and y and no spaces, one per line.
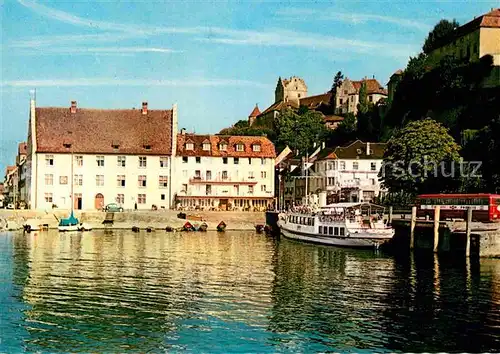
{"x":215,"y":59}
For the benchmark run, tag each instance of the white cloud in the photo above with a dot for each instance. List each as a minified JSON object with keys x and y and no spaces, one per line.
{"x":78,"y":82}
{"x":41,"y":42}
{"x":99,"y":50}
{"x":354,"y":18}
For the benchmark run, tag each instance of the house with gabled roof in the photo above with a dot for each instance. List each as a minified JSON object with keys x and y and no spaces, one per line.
{"x":93,"y":157}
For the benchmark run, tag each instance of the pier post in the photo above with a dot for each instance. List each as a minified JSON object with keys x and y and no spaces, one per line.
{"x":437,"y":210}
{"x":389,"y":219}
{"x":467,"y":232}
{"x":412,"y":226}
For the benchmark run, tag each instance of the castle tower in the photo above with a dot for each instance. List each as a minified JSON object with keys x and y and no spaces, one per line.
{"x":255,"y":113}
{"x":290,"y":90}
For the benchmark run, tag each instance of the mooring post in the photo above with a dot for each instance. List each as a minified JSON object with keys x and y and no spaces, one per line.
{"x":467,"y":231}
{"x":436,"y":227}
{"x":412,"y":226}
{"x":389,"y":220}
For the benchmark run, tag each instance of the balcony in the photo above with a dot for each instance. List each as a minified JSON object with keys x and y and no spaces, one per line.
{"x":219,"y":180}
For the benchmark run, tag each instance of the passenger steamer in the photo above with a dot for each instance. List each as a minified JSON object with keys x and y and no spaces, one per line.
{"x":342,"y":224}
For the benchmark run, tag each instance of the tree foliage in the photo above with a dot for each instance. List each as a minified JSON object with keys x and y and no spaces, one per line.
{"x":337,"y":82}
{"x":441,"y":30}
{"x":419,"y":159}
{"x":300,"y":132}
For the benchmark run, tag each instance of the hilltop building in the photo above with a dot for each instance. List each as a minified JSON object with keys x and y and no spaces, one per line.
{"x":348,"y":94}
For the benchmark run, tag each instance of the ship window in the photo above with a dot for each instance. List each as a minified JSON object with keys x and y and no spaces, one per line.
{"x":336,"y":231}
{"x":331,"y":230}
{"x":342,"y":231}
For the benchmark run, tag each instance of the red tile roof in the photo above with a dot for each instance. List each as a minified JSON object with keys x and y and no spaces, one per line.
{"x":97,"y":130}
{"x":315,"y":101}
{"x":278,"y":106}
{"x":255,"y":112}
{"x":266,"y":146}
{"x":372,"y":86}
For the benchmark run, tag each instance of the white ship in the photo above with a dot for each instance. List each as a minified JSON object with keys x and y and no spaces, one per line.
{"x":341,"y":224}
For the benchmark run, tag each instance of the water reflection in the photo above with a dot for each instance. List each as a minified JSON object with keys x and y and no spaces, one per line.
{"x":238,"y":292}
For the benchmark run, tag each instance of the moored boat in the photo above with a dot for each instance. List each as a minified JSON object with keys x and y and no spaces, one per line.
{"x":355,"y":225}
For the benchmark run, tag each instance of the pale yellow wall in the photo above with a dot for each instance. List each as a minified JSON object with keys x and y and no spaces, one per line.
{"x":490,"y":43}
{"x":294,"y":90}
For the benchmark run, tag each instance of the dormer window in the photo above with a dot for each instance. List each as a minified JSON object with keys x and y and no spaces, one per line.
{"x":147,"y":147}
{"x":206,"y":146}
{"x":240,"y":147}
{"x":256,"y":147}
{"x":67,"y":145}
{"x":115,"y":144}
{"x":189,"y":146}
{"x":223,"y":147}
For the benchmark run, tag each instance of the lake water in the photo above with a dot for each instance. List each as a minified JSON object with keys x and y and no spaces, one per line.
{"x":237,"y":292}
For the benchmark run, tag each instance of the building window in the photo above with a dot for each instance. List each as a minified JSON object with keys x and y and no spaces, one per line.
{"x":341,"y":101}
{"x":48,"y":197}
{"x":256,"y":148}
{"x":49,"y":160}
{"x":224,"y":174}
{"x":249,"y":160}
{"x":263,"y":174}
{"x":99,"y":180}
{"x":185,"y":159}
{"x":184,"y":188}
{"x":209,"y":175}
{"x":240,"y":147}
{"x":142,"y":181}
{"x":224,"y":160}
{"x":197,"y":174}
{"x":370,"y":98}
{"x":331,"y":181}
{"x":373,"y":166}
{"x":163,"y":181}
{"x":355,"y":165}
{"x":250,"y":174}
{"x":223,"y":147}
{"x":342,"y":165}
{"x":250,"y":189}
{"x":162,"y":196}
{"x":63,"y":179}
{"x":142,"y":161}
{"x":236,"y":160}
{"x":100,"y":161}
{"x":208,"y":190}
{"x":141,"y":198}
{"x":49,"y":179}
{"x":206,"y":146}
{"x":78,"y":180}
{"x":163,"y":161}
{"x":120,"y":198}
{"x":184,"y":173}
{"x":120,"y":179}
{"x":79,"y":161}
{"x":120,"y":161}
{"x":189,"y":146}
{"x":262,"y":161}
{"x":263,"y":188}
{"x":198,"y":159}
{"x":373,"y":181}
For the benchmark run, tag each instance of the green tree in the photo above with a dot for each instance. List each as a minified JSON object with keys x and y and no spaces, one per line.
{"x":419,"y":159}
{"x":300,"y":132}
{"x":441,"y":30}
{"x":337,"y":81}
{"x":242,"y":124}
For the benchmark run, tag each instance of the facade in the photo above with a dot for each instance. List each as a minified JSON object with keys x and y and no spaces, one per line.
{"x":10,"y":184}
{"x":287,"y":94}
{"x":100,"y":156}
{"x":347,"y":98}
{"x":223,"y":172}
{"x":350,"y":173}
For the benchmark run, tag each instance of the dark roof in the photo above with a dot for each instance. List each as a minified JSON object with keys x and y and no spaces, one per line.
{"x":100,"y":131}
{"x":372,"y":86}
{"x":333,"y":118}
{"x":255,"y":112}
{"x":355,"y":150}
{"x":315,"y":101}
{"x":266,"y":146}
{"x":278,"y":106}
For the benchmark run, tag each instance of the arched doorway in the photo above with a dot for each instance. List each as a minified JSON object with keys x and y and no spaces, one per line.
{"x":99,"y":201}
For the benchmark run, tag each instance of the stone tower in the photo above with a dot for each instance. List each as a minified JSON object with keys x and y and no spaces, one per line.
{"x":255,"y":113}
{"x":290,"y":90}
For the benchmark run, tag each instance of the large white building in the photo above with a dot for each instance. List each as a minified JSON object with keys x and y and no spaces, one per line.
{"x":349,"y":173}
{"x":101,"y":156}
{"x":223,"y":172}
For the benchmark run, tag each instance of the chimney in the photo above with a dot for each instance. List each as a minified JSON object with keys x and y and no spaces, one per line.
{"x":368,"y":151}
{"x":183,"y":131}
{"x":73,"y":107}
{"x":144,"y":108}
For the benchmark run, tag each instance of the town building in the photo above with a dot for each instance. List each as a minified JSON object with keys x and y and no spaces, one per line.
{"x":10,"y":184}
{"x":349,"y":173}
{"x":99,"y":156}
{"x":216,"y":172}
{"x":473,"y":40}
